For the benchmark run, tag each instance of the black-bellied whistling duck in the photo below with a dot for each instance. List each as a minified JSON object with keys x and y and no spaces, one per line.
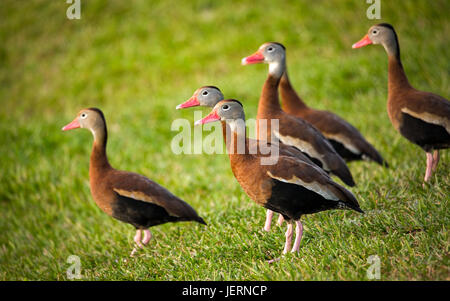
{"x":127,"y":196}
{"x":292,"y":130}
{"x":421,"y":117}
{"x":290,"y":187}
{"x":345,"y":138}
{"x":209,"y":96}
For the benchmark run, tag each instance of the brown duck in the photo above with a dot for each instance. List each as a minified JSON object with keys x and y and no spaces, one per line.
{"x":209,"y":96}
{"x":292,"y":130}
{"x":345,"y":138}
{"x":127,"y":196}
{"x":421,"y":117}
{"x":289,"y":186}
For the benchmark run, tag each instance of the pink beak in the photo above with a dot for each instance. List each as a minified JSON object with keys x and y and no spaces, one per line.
{"x":191,"y":102}
{"x":73,"y":125}
{"x":255,"y":58}
{"x":363,"y":42}
{"x":210,"y":118}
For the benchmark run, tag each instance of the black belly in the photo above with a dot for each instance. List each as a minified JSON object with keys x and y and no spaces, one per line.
{"x":427,"y":135}
{"x":140,"y":214}
{"x":344,"y":152}
{"x":292,"y":201}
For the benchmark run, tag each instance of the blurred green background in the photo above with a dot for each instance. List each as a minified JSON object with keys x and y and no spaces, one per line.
{"x":136,"y":60}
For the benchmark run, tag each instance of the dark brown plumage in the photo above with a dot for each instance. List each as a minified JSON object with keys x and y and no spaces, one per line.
{"x":421,"y":117}
{"x":289,"y":186}
{"x":127,"y":196}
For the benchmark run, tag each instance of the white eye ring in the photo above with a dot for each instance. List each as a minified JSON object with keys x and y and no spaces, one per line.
{"x":375,"y":32}
{"x":225,"y":107}
{"x":84,"y":115}
{"x":270,"y":49}
{"x":204,"y":93}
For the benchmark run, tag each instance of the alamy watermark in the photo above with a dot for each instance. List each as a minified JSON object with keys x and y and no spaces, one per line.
{"x":374,"y":10}
{"x":74,"y":270}
{"x":74,"y":10}
{"x":193,"y":140}
{"x":373,"y":272}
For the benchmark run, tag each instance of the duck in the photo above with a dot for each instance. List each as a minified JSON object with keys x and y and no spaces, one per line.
{"x":126,"y":196}
{"x":346,"y":139}
{"x":209,"y":96}
{"x":289,"y":186}
{"x":292,"y":130}
{"x":421,"y":117}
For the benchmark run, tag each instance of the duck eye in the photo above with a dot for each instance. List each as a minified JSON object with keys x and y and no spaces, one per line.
{"x":204,"y":93}
{"x":375,"y":31}
{"x":225,"y":107}
{"x":84,"y":115}
{"x":270,"y":49}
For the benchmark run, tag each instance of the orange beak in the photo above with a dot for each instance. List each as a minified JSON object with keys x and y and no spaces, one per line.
{"x":255,"y":58}
{"x":363,"y":42}
{"x":73,"y":125}
{"x":191,"y":102}
{"x":210,"y":118}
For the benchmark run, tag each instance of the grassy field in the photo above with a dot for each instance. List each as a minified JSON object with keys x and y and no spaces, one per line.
{"x":136,"y":60}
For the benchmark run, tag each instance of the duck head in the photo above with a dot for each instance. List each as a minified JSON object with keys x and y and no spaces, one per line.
{"x":206,"y":96}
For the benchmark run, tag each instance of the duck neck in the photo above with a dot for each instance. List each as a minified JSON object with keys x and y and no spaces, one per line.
{"x":234,"y":134}
{"x":268,"y":101}
{"x":397,"y":79}
{"x":99,"y":161}
{"x":292,"y":103}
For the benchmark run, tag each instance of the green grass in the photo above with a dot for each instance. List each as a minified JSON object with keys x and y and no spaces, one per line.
{"x":136,"y":60}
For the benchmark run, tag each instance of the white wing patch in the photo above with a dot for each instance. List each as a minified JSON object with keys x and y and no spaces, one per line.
{"x":137,"y":195}
{"x":303,"y":146}
{"x":430,"y":118}
{"x":314,"y":186}
{"x":345,"y":141}
{"x":140,"y":196}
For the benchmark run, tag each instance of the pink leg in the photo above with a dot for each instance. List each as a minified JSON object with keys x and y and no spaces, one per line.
{"x":147,"y":237}
{"x":137,"y":240}
{"x":280,"y":220}
{"x":429,"y":164}
{"x":269,"y":215}
{"x":298,"y":236}
{"x":435,"y":160}
{"x":287,"y":245}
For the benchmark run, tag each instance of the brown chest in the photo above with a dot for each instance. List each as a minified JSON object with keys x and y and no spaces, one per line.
{"x":255,"y":184}
{"x":394,"y":106}
{"x":103,"y":197}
